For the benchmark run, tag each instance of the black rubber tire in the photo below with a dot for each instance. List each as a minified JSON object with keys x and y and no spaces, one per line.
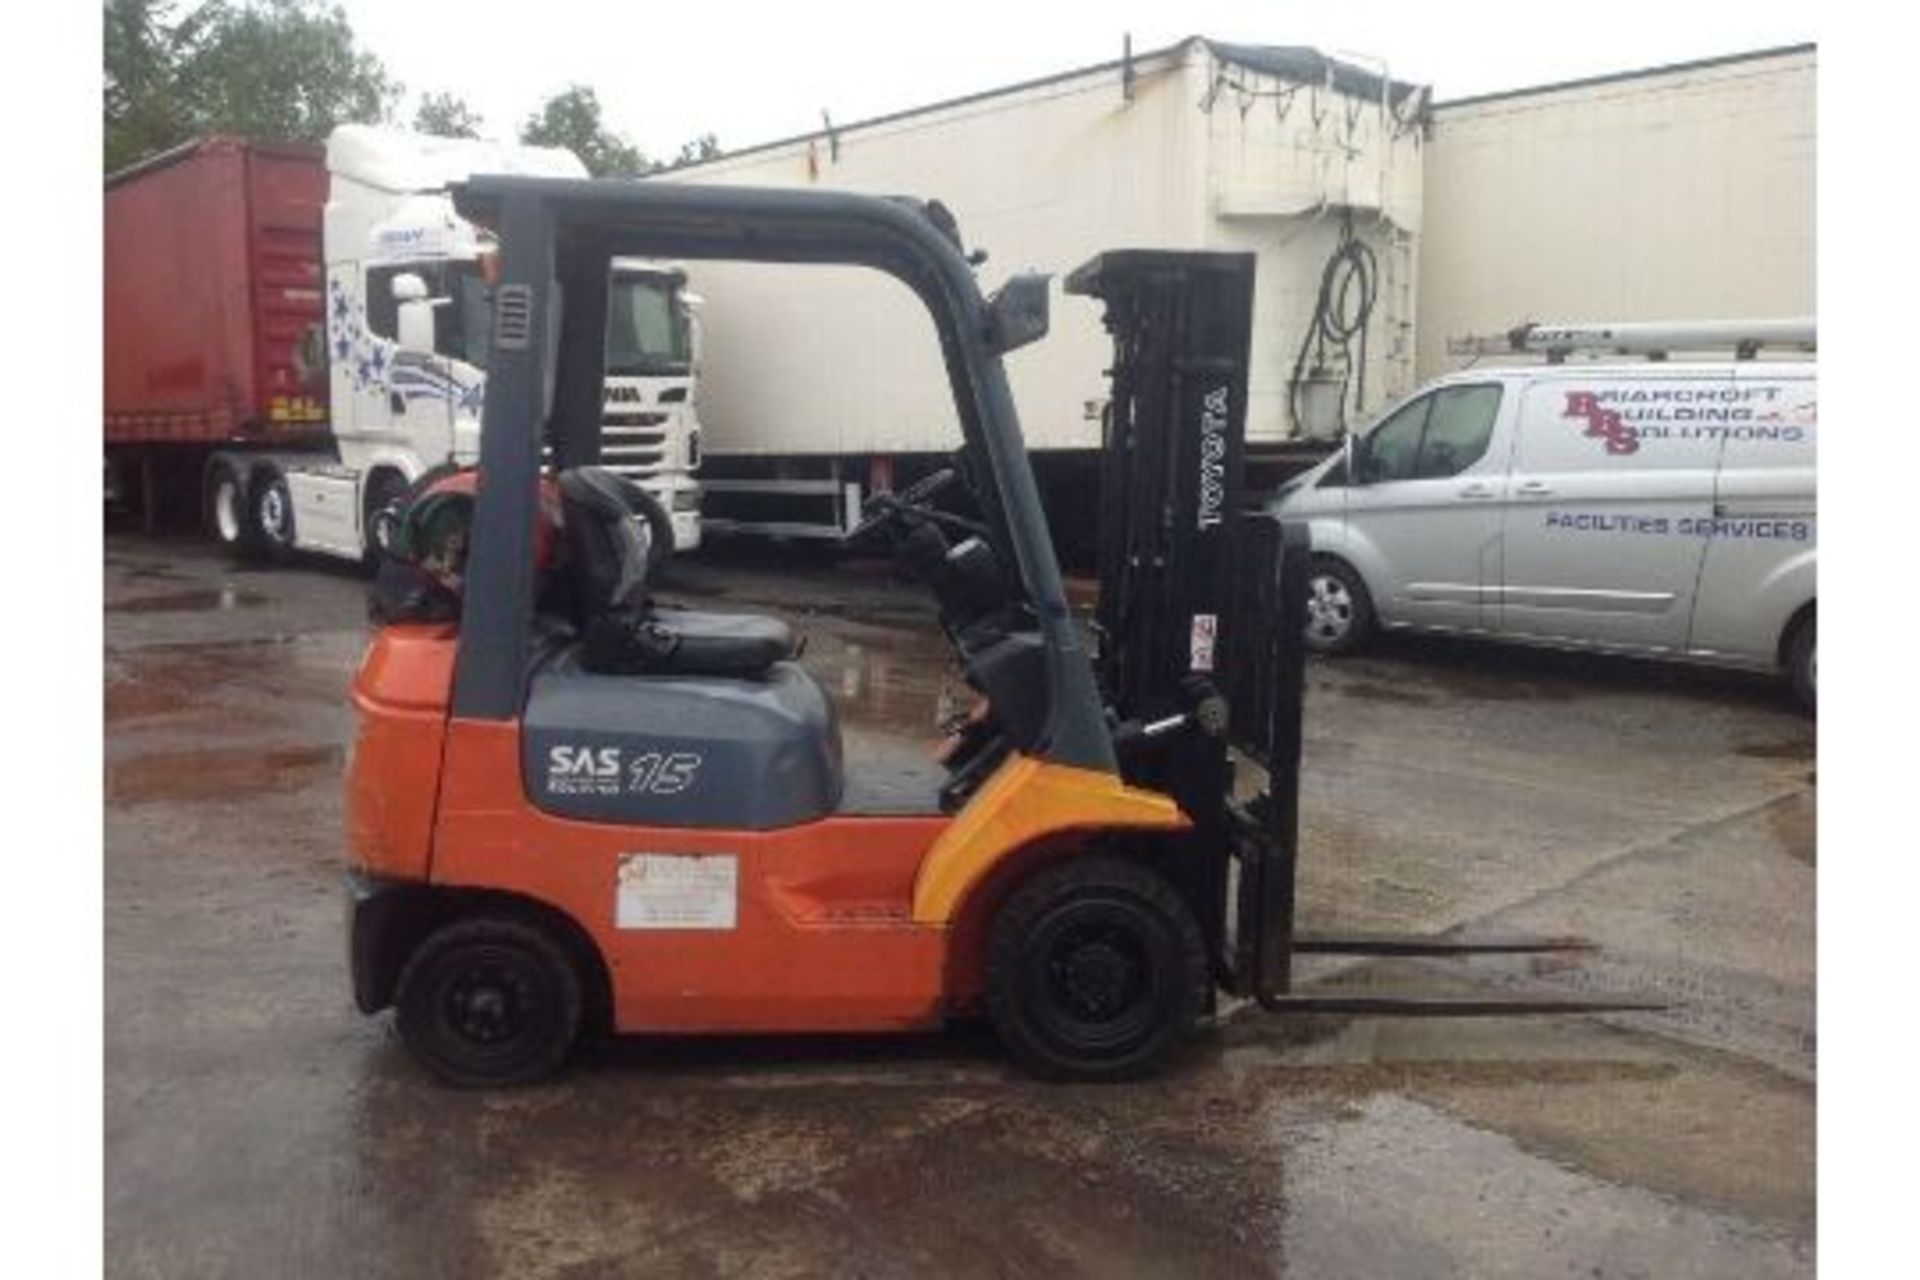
{"x":229,"y":514}
{"x":1800,"y":663}
{"x":387,"y":488}
{"x":1124,"y":927}
{"x":1339,"y":607}
{"x":490,"y":960}
{"x":270,"y":514}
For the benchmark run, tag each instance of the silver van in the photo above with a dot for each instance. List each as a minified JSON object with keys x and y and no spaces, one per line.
{"x":1647,"y":508}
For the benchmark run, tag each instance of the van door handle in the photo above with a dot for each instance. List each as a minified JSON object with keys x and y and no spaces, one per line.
{"x":1477,"y":490}
{"x":1533,"y":488}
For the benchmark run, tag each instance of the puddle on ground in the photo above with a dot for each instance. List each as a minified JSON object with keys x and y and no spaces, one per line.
{"x":1376,"y":692}
{"x":1796,"y":827}
{"x":889,"y":682}
{"x":221,"y":773}
{"x":206,"y":600}
{"x":1790,"y":749}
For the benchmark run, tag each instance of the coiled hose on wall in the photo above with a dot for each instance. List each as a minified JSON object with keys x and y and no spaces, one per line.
{"x":1335,"y":344}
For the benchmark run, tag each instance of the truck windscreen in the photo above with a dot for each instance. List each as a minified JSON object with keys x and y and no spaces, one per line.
{"x":646,"y":329}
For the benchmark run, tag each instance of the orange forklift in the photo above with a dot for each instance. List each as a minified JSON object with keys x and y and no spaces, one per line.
{"x":570,"y":806}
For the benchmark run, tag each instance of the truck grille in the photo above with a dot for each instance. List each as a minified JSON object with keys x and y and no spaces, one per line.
{"x":633,"y":443}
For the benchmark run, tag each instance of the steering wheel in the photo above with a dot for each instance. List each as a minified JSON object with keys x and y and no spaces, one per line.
{"x":884,"y":508}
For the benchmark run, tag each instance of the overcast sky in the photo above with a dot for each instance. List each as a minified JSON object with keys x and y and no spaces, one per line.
{"x":754,"y":72}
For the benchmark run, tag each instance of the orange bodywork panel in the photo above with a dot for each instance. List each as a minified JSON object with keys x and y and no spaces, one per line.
{"x":1028,"y":800}
{"x":821,"y":939}
{"x":393,"y":781}
{"x":837,"y":925}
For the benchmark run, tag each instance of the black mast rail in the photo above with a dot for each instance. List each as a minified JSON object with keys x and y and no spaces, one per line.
{"x":1201,"y":621}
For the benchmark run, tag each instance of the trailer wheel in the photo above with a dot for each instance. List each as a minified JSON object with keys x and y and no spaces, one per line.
{"x":1095,"y":971}
{"x":489,"y":1001}
{"x":1339,"y":609}
{"x":228,"y":518}
{"x":272,"y":511}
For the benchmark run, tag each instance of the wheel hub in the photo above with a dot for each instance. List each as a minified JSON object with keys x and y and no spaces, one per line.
{"x":488,"y":1007}
{"x":1329,"y":607}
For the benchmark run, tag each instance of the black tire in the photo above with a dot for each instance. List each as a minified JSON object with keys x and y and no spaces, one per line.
{"x":489,"y":1002}
{"x":229,"y":516}
{"x":270,"y":514}
{"x":1339,"y":608}
{"x":1800,"y":663}
{"x":386,"y":490}
{"x":1095,"y":971}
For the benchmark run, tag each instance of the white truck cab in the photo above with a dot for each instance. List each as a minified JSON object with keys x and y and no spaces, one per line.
{"x":1654,"y":508}
{"x":408,"y":315}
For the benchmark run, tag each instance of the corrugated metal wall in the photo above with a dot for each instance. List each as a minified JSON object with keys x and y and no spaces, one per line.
{"x":1686,"y":193}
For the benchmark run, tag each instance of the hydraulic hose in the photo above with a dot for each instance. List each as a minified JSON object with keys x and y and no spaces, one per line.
{"x":1335,"y":342}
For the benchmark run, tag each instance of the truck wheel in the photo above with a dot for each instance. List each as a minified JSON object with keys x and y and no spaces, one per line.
{"x":386,"y":489}
{"x":1800,"y":663}
{"x":489,"y":1001}
{"x":228,"y":519}
{"x":1339,"y":610}
{"x":1095,"y":971}
{"x":272,"y":510}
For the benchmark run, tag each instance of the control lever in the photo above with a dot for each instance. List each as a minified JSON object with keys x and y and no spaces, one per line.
{"x":1207,"y":713}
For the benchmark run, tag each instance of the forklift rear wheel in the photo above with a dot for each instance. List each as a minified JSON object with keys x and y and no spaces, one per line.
{"x":489,"y":1002}
{"x":1095,"y":971}
{"x":272,"y":509}
{"x":1339,"y":610}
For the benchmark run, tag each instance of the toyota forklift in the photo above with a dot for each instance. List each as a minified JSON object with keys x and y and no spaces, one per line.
{"x":571,"y":807}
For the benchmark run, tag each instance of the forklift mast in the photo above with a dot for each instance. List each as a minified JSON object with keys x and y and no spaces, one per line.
{"x":1201,"y":627}
{"x":1194,"y":617}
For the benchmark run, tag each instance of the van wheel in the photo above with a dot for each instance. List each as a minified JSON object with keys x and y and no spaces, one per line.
{"x":228,"y":519}
{"x":1339,"y":610}
{"x":1095,"y":971}
{"x":1800,"y":663}
{"x":489,"y":1001}
{"x":272,"y":514}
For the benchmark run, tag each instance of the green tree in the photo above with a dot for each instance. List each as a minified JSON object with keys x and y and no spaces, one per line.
{"x":446,"y":115}
{"x":571,"y":119}
{"x":704,"y":147}
{"x":277,"y":69}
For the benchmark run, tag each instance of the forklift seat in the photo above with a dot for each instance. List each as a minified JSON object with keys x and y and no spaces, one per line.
{"x":623,"y":632}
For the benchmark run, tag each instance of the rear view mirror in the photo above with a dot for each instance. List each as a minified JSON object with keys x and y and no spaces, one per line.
{"x":1017,"y":314}
{"x":414,"y":313}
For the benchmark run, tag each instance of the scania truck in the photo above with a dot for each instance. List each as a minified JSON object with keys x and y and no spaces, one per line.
{"x":294,"y":336}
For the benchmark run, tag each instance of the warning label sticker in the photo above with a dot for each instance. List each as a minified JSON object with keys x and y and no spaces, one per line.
{"x":1206,"y":633}
{"x":678,"y":891}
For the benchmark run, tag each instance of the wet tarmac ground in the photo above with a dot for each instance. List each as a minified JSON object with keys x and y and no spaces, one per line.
{"x":257,"y":1125}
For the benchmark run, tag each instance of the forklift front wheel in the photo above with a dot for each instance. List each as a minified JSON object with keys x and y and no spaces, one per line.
{"x":1095,"y":971}
{"x":489,"y":1001}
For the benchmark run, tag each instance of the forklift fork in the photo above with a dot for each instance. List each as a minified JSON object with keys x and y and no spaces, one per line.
{"x":1267,"y":843}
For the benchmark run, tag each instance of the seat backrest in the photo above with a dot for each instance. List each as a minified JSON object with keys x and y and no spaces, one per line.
{"x":607,"y":550}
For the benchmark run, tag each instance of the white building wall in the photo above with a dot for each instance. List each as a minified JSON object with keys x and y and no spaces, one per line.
{"x":838,"y":360}
{"x":1204,"y":155}
{"x":1675,"y":195}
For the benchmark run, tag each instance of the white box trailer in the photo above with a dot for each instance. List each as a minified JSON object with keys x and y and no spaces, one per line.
{"x":818,"y":381}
